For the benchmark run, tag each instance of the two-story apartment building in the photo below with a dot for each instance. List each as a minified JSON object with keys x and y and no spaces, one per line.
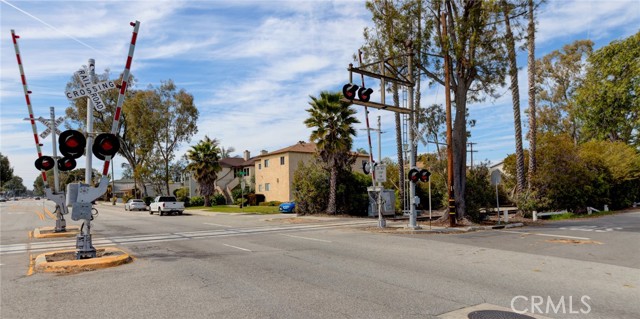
{"x":233,"y":169}
{"x":274,"y":171}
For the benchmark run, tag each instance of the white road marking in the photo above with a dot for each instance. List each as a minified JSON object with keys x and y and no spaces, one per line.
{"x":307,"y":238}
{"x":597,"y":229}
{"x":547,"y":235}
{"x":153,"y":238}
{"x":212,"y":224}
{"x":236,"y":247}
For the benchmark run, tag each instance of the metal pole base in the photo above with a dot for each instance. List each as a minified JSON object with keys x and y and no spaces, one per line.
{"x":382,"y":223}
{"x":85,"y":248}
{"x":61,"y":226}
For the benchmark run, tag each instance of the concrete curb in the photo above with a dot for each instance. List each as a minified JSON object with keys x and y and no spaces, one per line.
{"x":445,"y":230}
{"x":49,"y":232}
{"x":64,"y":261}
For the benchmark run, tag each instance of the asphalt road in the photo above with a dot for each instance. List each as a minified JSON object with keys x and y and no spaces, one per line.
{"x":246,"y":266}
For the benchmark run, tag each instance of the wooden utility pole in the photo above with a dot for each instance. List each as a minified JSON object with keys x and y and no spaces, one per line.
{"x":447,"y":95}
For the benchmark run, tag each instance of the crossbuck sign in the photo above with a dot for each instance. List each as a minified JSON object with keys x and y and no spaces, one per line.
{"x":90,"y":90}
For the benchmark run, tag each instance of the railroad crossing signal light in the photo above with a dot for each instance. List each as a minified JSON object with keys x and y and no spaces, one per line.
{"x":364,"y":94}
{"x":424,"y":175}
{"x":106,"y":144}
{"x":414,"y":175}
{"x":421,"y":175}
{"x":45,"y":163}
{"x":349,"y":91}
{"x":366,"y":167}
{"x":66,"y":164}
{"x":72,"y":143}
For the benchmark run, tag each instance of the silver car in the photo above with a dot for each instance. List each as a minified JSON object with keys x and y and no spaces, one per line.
{"x":135,"y":204}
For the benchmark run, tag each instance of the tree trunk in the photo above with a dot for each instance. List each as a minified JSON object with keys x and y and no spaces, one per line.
{"x":166,"y":176}
{"x":515,"y":98}
{"x":331,"y":206}
{"x":459,"y":136}
{"x":531,"y":69}
{"x":396,"y":103}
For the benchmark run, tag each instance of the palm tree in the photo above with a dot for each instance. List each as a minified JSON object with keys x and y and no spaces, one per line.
{"x":332,"y":122}
{"x":204,"y":165}
{"x":531,"y":71}
{"x":515,"y":97}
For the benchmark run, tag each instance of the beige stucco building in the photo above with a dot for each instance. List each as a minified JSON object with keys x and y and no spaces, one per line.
{"x":274,"y":171}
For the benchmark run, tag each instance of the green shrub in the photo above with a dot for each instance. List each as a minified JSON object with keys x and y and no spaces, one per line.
{"x":126,"y":198}
{"x":255,"y":199}
{"x":479,"y":192}
{"x":182,"y":194}
{"x":271,"y":203}
{"x":311,"y":185}
{"x":196,"y":201}
{"x":241,"y":202}
{"x":218,"y":199}
{"x":148,"y":200}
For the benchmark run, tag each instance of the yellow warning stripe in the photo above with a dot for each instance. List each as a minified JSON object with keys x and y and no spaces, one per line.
{"x":51,"y":215}
{"x":32,"y":262}
{"x":40,"y":215}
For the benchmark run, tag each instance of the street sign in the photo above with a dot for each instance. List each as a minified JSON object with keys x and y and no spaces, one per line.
{"x":381,"y":173}
{"x":496,"y":176}
{"x":419,"y":135}
{"x":90,"y":90}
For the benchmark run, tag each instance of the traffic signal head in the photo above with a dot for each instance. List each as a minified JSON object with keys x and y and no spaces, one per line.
{"x":424,"y":175}
{"x":414,"y":175}
{"x":72,"y":143}
{"x":66,"y":164}
{"x":364,"y":94}
{"x":349,"y":91}
{"x":106,"y":144}
{"x":45,"y":163}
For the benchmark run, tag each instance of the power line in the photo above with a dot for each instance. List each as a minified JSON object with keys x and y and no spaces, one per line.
{"x":52,"y":27}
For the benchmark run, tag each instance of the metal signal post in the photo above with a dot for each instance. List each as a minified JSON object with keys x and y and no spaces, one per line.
{"x":401,"y":80}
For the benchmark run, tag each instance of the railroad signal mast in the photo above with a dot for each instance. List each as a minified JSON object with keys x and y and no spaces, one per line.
{"x":387,"y":74}
{"x":73,"y":144}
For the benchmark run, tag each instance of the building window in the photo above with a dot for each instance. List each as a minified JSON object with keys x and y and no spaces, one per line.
{"x":259,"y":166}
{"x":281,"y":160}
{"x":266,"y":163}
{"x":260,"y":188}
{"x":267,"y":187}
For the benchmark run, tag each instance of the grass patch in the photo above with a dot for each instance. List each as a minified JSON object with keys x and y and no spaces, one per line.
{"x":574,"y":216}
{"x":235,"y":209}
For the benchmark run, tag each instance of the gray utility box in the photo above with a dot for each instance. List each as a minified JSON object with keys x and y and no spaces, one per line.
{"x":388,"y":201}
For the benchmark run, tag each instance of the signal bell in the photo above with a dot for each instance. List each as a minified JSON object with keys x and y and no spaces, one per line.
{"x":44,"y":163}
{"x":106,"y":144}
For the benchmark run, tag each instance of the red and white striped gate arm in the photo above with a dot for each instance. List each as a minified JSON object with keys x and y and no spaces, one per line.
{"x":123,"y":90}
{"x":15,"y":37}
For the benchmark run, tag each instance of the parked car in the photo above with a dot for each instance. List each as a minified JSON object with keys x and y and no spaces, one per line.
{"x":287,"y":207}
{"x":166,"y":205}
{"x":3,"y":199}
{"x":135,"y":204}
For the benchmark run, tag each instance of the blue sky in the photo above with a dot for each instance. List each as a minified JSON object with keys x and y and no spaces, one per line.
{"x":251,"y":65}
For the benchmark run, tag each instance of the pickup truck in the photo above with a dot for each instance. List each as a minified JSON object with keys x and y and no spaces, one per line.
{"x":166,"y":205}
